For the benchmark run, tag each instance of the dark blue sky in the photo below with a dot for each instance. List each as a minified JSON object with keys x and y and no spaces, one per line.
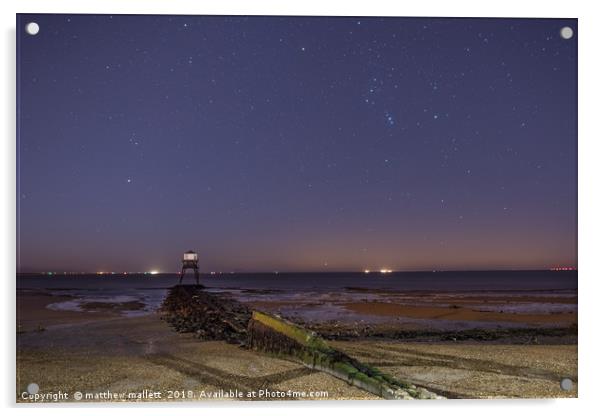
{"x":280,"y":143}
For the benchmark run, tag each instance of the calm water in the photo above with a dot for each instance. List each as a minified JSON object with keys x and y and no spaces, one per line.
{"x":322,"y":288}
{"x":422,"y":281}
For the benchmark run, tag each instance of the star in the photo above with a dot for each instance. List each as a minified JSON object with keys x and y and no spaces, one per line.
{"x":389,"y":119}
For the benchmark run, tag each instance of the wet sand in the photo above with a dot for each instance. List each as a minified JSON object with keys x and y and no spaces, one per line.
{"x":444,"y":311}
{"x":100,"y":352}
{"x":33,"y":313}
{"x":457,"y":313}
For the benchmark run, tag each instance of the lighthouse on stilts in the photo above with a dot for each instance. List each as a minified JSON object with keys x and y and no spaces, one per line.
{"x":190,"y":261}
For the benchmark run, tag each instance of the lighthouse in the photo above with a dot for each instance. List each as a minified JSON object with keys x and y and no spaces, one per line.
{"x":190,"y":260}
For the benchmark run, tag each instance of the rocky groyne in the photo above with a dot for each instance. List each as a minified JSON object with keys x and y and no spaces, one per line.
{"x":209,"y":316}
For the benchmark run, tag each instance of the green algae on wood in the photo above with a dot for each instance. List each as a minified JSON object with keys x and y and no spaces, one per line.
{"x":278,"y":336}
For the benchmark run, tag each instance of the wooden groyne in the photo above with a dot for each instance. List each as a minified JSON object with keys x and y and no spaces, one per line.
{"x":213,"y":316}
{"x":278,"y":336}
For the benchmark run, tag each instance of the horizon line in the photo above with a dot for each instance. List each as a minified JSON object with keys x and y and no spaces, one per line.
{"x":364,"y":271}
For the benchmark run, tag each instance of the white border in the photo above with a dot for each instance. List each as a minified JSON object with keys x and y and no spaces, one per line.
{"x":590,"y":201}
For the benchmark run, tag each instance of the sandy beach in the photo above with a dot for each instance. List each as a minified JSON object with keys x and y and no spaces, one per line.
{"x":104,"y":354}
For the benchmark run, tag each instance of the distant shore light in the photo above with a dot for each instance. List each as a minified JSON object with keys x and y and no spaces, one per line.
{"x":154,"y":272}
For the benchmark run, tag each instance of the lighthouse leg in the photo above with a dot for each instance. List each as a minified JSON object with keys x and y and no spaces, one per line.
{"x":196,"y":275}
{"x":181,"y":275}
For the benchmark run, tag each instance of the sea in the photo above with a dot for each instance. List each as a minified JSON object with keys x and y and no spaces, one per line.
{"x":318,"y":296}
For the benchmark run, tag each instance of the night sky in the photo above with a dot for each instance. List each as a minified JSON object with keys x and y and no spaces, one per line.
{"x":296,"y":144}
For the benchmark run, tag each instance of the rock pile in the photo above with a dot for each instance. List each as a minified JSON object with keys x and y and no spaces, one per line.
{"x":210,"y":316}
